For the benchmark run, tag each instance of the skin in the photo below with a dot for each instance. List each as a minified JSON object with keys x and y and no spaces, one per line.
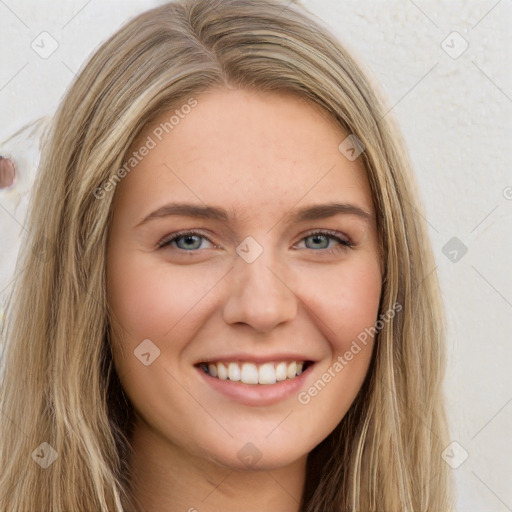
{"x":260,"y":156}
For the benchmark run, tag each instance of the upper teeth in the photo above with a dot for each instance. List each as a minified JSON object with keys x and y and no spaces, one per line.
{"x":250,"y":373}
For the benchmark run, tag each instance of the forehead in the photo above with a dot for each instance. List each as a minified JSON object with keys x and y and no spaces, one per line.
{"x":244,"y":150}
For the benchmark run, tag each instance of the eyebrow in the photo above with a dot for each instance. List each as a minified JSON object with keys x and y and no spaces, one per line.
{"x":307,"y":213}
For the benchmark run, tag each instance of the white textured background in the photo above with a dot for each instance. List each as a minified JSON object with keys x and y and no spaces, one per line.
{"x":455,"y":113}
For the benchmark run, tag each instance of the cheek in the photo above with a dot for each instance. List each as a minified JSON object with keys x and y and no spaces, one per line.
{"x":346,"y":307}
{"x":152,"y":299}
{"x":360,"y":292}
{"x":345,"y":301}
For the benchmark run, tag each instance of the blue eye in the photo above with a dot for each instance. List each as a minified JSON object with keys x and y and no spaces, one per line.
{"x":192,"y":240}
{"x":327,"y":236}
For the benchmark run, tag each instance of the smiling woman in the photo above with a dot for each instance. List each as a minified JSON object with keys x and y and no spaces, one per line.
{"x":235,"y":309}
{"x":306,"y":287}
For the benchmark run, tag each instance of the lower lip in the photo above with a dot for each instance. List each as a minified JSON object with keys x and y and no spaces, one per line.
{"x":257,"y":394}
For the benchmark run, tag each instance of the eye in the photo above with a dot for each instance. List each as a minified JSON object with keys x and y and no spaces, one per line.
{"x":322,"y":237}
{"x":190,"y":241}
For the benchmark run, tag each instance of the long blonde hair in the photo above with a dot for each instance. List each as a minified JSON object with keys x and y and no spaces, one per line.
{"x":59,"y":386}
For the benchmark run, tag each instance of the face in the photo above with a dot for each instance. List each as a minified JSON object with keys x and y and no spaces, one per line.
{"x":242,"y":266}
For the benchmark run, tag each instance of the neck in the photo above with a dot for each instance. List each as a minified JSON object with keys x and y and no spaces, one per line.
{"x":165,"y":478}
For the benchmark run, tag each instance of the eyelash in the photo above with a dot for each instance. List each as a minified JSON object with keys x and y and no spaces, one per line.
{"x":344,"y":243}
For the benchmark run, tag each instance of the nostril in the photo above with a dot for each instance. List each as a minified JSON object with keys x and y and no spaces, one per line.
{"x":7,"y":172}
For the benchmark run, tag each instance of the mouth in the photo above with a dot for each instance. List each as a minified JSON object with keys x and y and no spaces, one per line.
{"x":255,"y":374}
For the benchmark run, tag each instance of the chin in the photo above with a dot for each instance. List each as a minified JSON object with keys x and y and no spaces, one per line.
{"x":260,"y":454}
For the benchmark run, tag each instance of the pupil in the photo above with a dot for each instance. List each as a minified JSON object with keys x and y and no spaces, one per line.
{"x":317,"y":238}
{"x":189,"y":239}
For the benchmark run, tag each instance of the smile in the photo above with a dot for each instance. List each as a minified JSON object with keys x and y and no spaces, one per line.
{"x":251,"y":373}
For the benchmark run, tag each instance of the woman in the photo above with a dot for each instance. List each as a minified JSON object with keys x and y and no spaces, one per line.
{"x":253,"y":371}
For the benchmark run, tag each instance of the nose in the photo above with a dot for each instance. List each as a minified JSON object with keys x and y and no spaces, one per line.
{"x":259,"y":295}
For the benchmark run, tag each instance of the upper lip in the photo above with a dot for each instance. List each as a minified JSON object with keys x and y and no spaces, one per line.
{"x":251,"y":358}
